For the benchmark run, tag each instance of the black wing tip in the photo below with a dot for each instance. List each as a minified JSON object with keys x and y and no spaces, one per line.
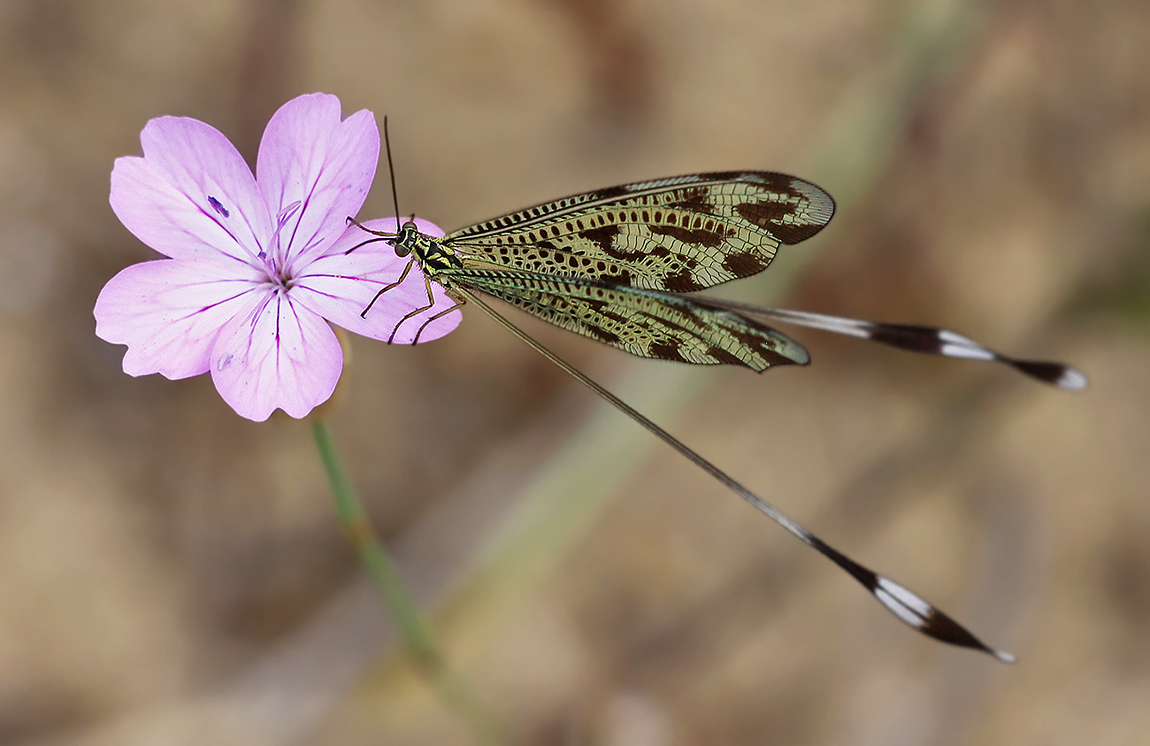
{"x":1065,"y":377}
{"x":934,"y":341}
{"x":917,"y":613}
{"x":910,"y":608}
{"x":944,"y":629}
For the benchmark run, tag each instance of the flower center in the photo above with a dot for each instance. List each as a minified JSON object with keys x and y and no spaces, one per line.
{"x":275,"y":257}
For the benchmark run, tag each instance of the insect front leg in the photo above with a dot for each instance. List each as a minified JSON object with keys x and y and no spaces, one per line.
{"x":383,"y":234}
{"x":388,"y":238}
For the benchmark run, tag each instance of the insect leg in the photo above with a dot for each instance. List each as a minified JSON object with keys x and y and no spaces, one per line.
{"x":389,"y":238}
{"x":402,"y":277}
{"x":460,"y":302}
{"x":416,"y":312}
{"x":365,"y":229}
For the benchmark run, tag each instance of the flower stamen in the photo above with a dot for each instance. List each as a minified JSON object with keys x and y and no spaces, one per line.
{"x":218,"y":206}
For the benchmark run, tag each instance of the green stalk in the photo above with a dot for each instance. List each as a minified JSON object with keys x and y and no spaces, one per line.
{"x":486,"y":727}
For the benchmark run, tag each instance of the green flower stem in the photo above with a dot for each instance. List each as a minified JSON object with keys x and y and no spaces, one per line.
{"x":486,"y":728}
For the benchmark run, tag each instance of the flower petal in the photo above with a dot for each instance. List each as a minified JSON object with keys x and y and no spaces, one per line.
{"x":309,"y":157}
{"x":191,"y":195}
{"x":340,"y":285}
{"x":169,"y":313}
{"x":276,"y":355}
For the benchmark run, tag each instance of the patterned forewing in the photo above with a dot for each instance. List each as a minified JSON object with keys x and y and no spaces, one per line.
{"x":643,"y":322}
{"x":679,"y":234}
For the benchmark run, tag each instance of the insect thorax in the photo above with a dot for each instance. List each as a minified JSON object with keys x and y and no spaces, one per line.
{"x":432,"y":253}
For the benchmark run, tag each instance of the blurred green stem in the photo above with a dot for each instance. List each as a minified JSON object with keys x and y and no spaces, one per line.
{"x":486,"y":728}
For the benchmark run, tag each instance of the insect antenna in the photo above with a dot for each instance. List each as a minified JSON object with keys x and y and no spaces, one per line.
{"x":391,"y":170}
{"x":908,"y":606}
{"x":381,"y":235}
{"x":401,"y":249}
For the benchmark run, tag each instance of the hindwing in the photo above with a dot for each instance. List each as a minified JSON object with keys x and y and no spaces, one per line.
{"x":647,"y":323}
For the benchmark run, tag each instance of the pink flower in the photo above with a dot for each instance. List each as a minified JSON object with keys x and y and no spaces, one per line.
{"x":259,"y":265}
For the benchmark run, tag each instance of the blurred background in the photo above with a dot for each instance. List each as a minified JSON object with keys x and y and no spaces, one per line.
{"x":171,"y":573}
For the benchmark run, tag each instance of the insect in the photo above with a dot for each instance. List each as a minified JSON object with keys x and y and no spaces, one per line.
{"x":614,"y":264}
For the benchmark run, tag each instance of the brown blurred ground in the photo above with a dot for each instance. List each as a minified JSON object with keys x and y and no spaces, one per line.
{"x":170,"y":573}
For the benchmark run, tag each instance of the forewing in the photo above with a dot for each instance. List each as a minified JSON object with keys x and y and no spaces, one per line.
{"x":679,"y":234}
{"x":646,"y":323}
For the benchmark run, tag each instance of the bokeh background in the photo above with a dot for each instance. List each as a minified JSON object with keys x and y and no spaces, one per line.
{"x":172,"y":574}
